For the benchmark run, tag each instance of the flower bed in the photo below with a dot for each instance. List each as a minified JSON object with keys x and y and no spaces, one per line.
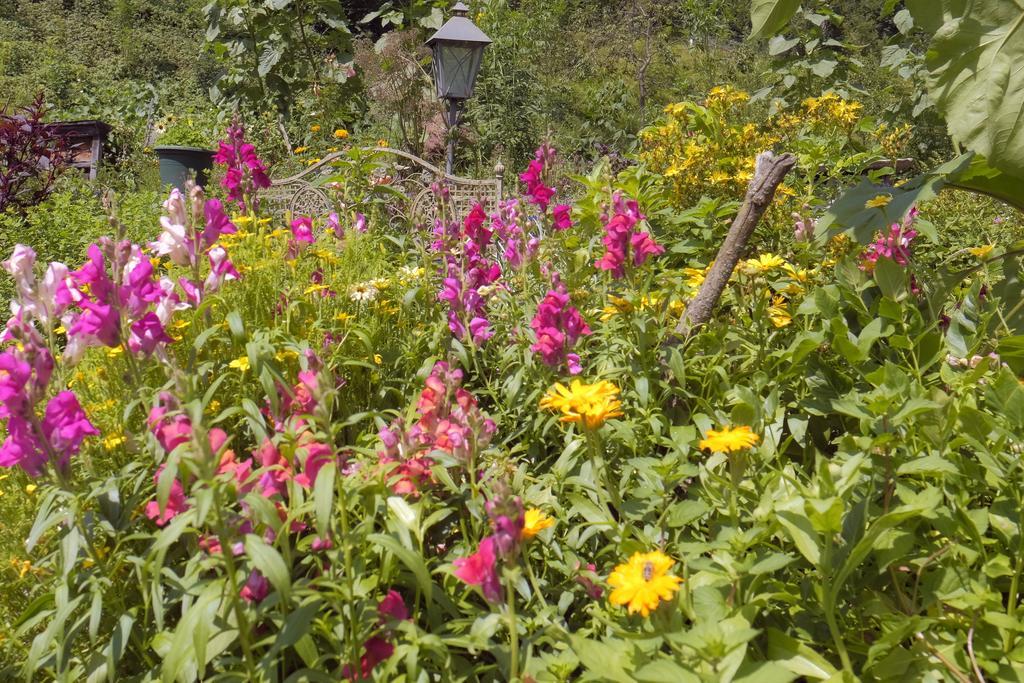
{"x":317,"y":450}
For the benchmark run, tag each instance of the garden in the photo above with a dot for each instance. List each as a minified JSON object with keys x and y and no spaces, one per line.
{"x":704,"y":363}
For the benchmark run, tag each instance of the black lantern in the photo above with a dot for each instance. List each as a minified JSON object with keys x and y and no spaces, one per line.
{"x":458,"y":49}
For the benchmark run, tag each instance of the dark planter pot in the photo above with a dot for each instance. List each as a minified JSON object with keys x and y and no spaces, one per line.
{"x":178,"y":164}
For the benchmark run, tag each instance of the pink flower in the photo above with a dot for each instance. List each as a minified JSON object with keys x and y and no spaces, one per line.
{"x":146,"y":334}
{"x":895,"y":246}
{"x":302,"y":230}
{"x":393,"y":607}
{"x":217,"y":222}
{"x":316,"y":455}
{"x":176,"y":503}
{"x":562,"y":216}
{"x":22,"y":448}
{"x":256,"y":587}
{"x":335,"y":224}
{"x":620,"y":237}
{"x":245,"y":173}
{"x":480,"y":569}
{"x":174,"y":241}
{"x":171,"y":431}
{"x":221,"y":269}
{"x":65,"y":426}
{"x":321,"y":544}
{"x":100,"y":322}
{"x":360,"y":224}
{"x":537,"y":192}
{"x":558,"y":326}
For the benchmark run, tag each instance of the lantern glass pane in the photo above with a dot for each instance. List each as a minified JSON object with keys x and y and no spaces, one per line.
{"x":455,"y":69}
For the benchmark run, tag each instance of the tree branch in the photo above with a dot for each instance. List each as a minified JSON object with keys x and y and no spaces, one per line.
{"x":769,"y":173}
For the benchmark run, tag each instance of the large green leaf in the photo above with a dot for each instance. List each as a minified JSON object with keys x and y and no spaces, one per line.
{"x":976,"y":80}
{"x":966,"y":172}
{"x":767,"y":17}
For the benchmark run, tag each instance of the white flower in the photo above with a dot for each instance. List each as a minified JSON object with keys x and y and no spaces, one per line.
{"x":362,"y":292}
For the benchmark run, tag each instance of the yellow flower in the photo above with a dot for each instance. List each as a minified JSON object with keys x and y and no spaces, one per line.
{"x":60,"y":329}
{"x":313,"y":162}
{"x":341,"y":134}
{"x":30,"y":489}
{"x":878,"y":202}
{"x":382,"y":143}
{"x":535,"y":521}
{"x":315,"y":288}
{"x":112,"y":441}
{"x":730,"y":439}
{"x":114,"y":351}
{"x":240,"y":363}
{"x":342,"y":317}
{"x":315,"y":128}
{"x":778,"y":313}
{"x":300,"y":150}
{"x":982,"y":251}
{"x":695,"y":276}
{"x":377,"y":359}
{"x":762,"y":264}
{"x":214,"y":406}
{"x":643,"y":583}
{"x":589,"y":404}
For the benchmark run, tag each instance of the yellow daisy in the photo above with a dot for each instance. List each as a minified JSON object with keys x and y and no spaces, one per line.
{"x":589,"y":404}
{"x":982,"y":251}
{"x":341,"y":134}
{"x":535,"y":521}
{"x":643,"y":582}
{"x":730,"y":439}
{"x":878,"y":202}
{"x":763,"y":264}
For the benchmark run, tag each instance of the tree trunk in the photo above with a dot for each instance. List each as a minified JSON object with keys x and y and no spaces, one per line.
{"x":769,"y":173}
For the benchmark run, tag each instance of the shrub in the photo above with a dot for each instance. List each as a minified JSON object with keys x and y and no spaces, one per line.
{"x":32,"y":156}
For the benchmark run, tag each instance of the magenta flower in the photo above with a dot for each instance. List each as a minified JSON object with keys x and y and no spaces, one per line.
{"x":302,"y":230}
{"x":558,"y":326}
{"x":562,"y":217}
{"x":895,"y":246}
{"x":393,"y":607}
{"x":65,"y":425}
{"x":176,"y":503}
{"x":245,"y":173}
{"x":480,"y":569}
{"x":146,"y":334}
{"x":620,"y":236}
{"x":537,"y":192}
{"x":256,"y":587}
{"x":98,"y":321}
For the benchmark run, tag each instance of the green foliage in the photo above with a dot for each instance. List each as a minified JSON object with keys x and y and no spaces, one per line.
{"x":973,"y":76}
{"x":62,"y":227}
{"x":271,"y":51}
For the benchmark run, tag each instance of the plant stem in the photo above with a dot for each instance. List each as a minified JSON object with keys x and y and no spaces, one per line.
{"x":229,"y":562}
{"x":513,"y":631}
{"x":598,"y":462}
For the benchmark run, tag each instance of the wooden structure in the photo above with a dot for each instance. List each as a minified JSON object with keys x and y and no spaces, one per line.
{"x":308,"y":192}
{"x":85,"y":140}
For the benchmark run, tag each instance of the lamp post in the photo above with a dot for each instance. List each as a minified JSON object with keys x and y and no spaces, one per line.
{"x":458,"y":49}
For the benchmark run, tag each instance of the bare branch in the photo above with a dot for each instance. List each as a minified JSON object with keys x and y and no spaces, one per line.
{"x":769,"y":173}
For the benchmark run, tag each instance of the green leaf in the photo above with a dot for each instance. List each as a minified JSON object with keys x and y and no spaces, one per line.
{"x":891,"y":278}
{"x":799,"y":527}
{"x":270,"y":563}
{"x":767,"y":17}
{"x":976,"y":81}
{"x":797,"y":657}
{"x":323,"y":498}
{"x":411,"y":560}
